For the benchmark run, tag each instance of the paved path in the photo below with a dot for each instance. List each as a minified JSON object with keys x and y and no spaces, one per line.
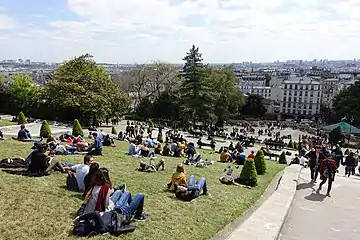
{"x":314,"y":216}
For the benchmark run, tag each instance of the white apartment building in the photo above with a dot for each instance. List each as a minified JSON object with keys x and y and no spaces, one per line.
{"x":263,"y":91}
{"x":330,"y":88}
{"x":301,"y":96}
{"x":246,"y":83}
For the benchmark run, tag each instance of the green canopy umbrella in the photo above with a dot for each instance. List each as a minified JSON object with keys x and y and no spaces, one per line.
{"x":344,"y":126}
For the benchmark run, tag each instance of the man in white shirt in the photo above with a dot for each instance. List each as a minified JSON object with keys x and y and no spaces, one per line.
{"x":81,"y":170}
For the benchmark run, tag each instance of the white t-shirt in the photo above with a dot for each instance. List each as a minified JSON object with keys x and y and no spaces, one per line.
{"x":81,"y":170}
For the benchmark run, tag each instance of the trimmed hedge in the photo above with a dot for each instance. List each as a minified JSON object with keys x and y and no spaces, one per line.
{"x":248,"y":175}
{"x":291,"y":144}
{"x":45,"y":130}
{"x":77,"y":129}
{"x":113,"y":130}
{"x":22,"y":119}
{"x":260,"y":163}
{"x":282,"y":158}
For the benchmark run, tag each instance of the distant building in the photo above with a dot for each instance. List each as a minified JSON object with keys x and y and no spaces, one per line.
{"x":247,"y":82}
{"x":330,"y":88}
{"x":301,"y":96}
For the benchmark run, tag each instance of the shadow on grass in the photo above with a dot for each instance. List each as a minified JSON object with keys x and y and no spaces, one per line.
{"x":17,"y":172}
{"x":316,"y":197}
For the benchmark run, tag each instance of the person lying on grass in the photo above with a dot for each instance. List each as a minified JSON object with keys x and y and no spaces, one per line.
{"x":151,"y":167}
{"x":179,"y":177}
{"x":41,"y":164}
{"x":192,"y":190}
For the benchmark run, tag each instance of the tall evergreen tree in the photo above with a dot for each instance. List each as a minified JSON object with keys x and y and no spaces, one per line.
{"x":197,"y":96}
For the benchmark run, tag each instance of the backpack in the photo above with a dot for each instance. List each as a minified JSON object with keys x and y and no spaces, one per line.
{"x":328,"y":173}
{"x":84,"y":228}
{"x":71,"y":182}
{"x":117,"y":223}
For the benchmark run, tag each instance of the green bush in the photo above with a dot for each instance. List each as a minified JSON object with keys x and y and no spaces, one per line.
{"x":248,"y":175}
{"x":113,"y":130}
{"x":296,"y":145}
{"x":152,"y":124}
{"x":77,"y":129}
{"x":291,"y":144}
{"x":282,"y":158}
{"x":45,"y":130}
{"x":160,"y":137}
{"x":22,"y":119}
{"x":260,"y":163}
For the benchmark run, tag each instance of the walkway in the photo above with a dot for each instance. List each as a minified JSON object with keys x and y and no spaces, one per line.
{"x":314,"y":216}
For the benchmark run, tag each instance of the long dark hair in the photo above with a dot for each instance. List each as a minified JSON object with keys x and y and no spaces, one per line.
{"x":98,"y":179}
{"x":94,"y":166}
{"x":106,"y":174}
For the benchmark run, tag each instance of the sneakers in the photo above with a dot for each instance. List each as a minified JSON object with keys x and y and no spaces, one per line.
{"x":140,"y":218}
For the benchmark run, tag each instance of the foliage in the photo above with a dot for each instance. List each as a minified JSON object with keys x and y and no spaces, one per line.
{"x":335,"y":136}
{"x":144,"y":109}
{"x":113,"y":130}
{"x":282,"y":158}
{"x":84,"y":90}
{"x":254,"y":106}
{"x":160,"y":137}
{"x":346,"y":103}
{"x":166,"y":106}
{"x":77,"y":129}
{"x":196,"y":95}
{"x":248,"y":175}
{"x":260,"y":163}
{"x":45,"y":130}
{"x":22,"y":119}
{"x":296,"y":145}
{"x":22,"y":93}
{"x":291,"y":144}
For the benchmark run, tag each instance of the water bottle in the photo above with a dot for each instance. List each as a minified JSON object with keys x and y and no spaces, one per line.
{"x":229,"y":172}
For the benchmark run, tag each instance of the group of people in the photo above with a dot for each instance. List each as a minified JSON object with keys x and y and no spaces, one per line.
{"x":233,"y":154}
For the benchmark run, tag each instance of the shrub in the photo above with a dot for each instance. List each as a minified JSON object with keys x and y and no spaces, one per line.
{"x":77,"y":129}
{"x":248,"y":175}
{"x":45,"y":130}
{"x":22,"y":119}
{"x":282,"y":158}
{"x":152,"y":124}
{"x":260,"y":163}
{"x":113,"y":130}
{"x":296,"y":145}
{"x":291,"y":144}
{"x":160,"y":137}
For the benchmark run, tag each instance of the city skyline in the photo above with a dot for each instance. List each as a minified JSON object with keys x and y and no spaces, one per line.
{"x":226,"y":31}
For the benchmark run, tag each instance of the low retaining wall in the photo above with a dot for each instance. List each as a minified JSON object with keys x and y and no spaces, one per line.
{"x":17,"y":126}
{"x":266,"y":222}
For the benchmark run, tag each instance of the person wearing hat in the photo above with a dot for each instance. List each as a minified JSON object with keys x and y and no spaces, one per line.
{"x":41,"y":164}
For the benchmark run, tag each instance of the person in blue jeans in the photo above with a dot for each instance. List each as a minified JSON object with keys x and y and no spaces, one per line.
{"x":128,"y":205}
{"x":192,"y":190}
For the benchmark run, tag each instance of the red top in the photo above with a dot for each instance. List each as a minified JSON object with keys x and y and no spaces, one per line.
{"x":252,"y":156}
{"x":324,"y":164}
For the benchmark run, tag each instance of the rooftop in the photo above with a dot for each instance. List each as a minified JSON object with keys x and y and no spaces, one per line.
{"x":301,"y":80}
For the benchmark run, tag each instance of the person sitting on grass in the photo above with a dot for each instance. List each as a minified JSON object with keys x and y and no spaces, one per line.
{"x":52,"y":142}
{"x":94,"y":167}
{"x":133,"y":150}
{"x":145,"y":151}
{"x":166,"y":151}
{"x":177,"y":152}
{"x":80,"y":170}
{"x":179,"y":177}
{"x":40,"y":164}
{"x":24,"y":135}
{"x":151,"y":167}
{"x":225,"y":156}
{"x":96,"y":148}
{"x":192,"y":190}
{"x":108,"y":141}
{"x":158,"y":149}
{"x":97,"y":198}
{"x":2,"y":136}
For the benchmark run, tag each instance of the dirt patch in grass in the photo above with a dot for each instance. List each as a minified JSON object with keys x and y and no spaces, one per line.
{"x":41,"y":208}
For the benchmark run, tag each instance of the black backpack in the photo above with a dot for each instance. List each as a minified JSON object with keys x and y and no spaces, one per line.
{"x":71,"y":182}
{"x":117,"y":223}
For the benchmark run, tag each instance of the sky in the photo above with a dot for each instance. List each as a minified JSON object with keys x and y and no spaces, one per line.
{"x":139,"y":31}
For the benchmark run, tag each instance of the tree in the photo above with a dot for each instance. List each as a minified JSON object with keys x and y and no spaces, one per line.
{"x":113,"y":130}
{"x":144,"y":109}
{"x":291,"y":144}
{"x":166,"y":106}
{"x":346,"y":103}
{"x":228,"y":98}
{"x":22,"y":93}
{"x":335,"y":136}
{"x":196,"y":95}
{"x":22,"y":119}
{"x":248,"y":175}
{"x":82,"y":89}
{"x":45,"y":130}
{"x":260,"y":163}
{"x":77,"y":129}
{"x":282,"y":158}
{"x":254,"y":106}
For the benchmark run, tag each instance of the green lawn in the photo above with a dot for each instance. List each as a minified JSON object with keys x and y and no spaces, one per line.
{"x":4,"y":122}
{"x":41,"y":208}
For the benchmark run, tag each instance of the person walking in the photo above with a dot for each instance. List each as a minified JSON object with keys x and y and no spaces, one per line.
{"x":327,"y":173}
{"x":350,"y":164}
{"x":315,"y":157}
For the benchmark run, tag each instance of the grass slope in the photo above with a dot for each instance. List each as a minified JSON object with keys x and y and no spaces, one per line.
{"x":4,"y":122}
{"x":41,"y":208}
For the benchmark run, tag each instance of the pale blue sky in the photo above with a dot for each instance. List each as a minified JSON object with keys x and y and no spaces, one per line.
{"x":141,"y":31}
